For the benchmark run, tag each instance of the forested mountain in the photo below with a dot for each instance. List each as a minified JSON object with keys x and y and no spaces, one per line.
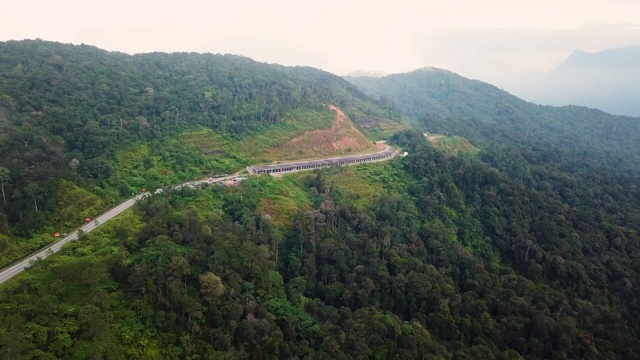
{"x":608,"y":80}
{"x":583,"y":157}
{"x":427,"y":257}
{"x":449,"y":103}
{"x":572,"y":158}
{"x":436,"y":91}
{"x":526,"y":246}
{"x":80,"y":127}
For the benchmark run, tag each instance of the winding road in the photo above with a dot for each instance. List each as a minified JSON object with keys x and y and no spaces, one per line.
{"x":18,"y":267}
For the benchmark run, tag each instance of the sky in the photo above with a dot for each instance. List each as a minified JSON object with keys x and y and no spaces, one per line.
{"x":490,"y":40}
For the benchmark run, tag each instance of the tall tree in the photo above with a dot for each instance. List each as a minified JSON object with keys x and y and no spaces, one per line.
{"x":4,"y":175}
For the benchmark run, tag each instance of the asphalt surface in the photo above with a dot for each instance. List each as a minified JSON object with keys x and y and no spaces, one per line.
{"x":96,"y":222}
{"x":18,"y":267}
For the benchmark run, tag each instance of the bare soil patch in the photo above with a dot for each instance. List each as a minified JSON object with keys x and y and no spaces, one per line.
{"x":342,"y":138}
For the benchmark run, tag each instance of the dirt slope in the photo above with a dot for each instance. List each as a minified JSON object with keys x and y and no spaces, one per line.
{"x":341,"y":138}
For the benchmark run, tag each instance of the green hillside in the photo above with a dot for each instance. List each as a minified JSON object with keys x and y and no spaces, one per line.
{"x":429,"y":256}
{"x":537,"y":145}
{"x":111,"y":123}
{"x":447,"y":103}
{"x":509,"y":231}
{"x":439,"y":97}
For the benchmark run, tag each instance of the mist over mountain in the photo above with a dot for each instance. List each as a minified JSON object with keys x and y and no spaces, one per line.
{"x":608,"y":80}
{"x":368,"y":73}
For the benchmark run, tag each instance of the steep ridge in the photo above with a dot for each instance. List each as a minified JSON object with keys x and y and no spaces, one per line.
{"x":80,"y":122}
{"x":448,"y":103}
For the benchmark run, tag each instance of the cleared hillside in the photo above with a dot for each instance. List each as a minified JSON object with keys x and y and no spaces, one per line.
{"x":78,"y":118}
{"x":342,"y":137}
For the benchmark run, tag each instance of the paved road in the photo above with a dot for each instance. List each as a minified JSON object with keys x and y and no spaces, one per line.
{"x":19,"y":267}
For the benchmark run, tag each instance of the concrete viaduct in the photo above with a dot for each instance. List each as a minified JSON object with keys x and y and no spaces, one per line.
{"x":18,"y":267}
{"x":386,"y":154}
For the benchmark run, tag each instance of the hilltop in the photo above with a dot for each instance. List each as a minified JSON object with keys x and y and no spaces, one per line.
{"x":447,"y":103}
{"x":82,"y":127}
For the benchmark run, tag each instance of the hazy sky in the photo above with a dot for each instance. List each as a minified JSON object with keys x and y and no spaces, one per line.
{"x":488,"y":40}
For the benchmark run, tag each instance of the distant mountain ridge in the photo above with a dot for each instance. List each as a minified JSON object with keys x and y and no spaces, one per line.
{"x":437,"y":91}
{"x":621,"y":57}
{"x":608,"y":80}
{"x":450,"y":104}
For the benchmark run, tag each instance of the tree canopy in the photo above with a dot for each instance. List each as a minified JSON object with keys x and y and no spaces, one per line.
{"x":81,"y":128}
{"x":526,"y":248}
